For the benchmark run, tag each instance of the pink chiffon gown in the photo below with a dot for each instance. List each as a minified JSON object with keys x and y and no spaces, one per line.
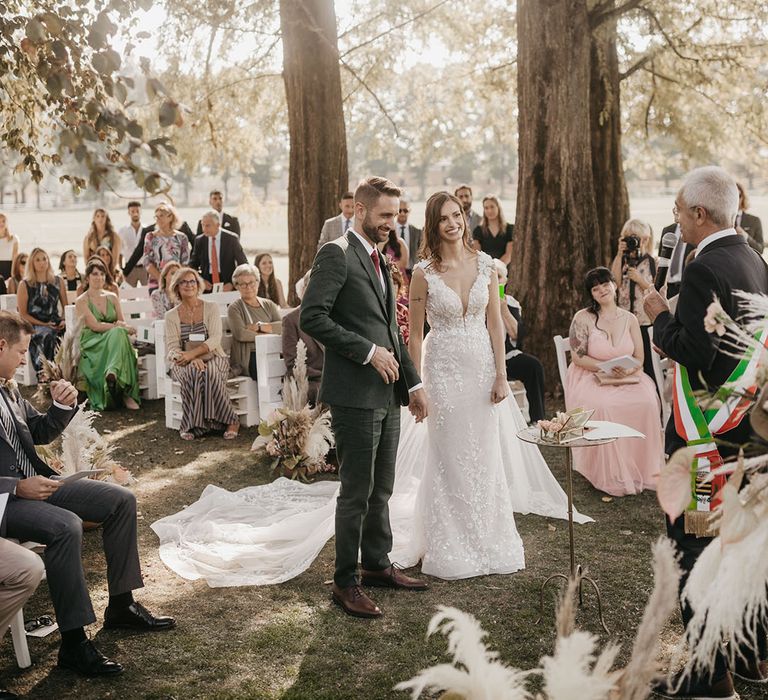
{"x":628,"y":465}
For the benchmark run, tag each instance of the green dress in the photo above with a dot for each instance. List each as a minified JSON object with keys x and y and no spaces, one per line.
{"x":102,"y":354}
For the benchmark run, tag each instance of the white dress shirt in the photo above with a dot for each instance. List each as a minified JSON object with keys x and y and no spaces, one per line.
{"x":130,"y":238}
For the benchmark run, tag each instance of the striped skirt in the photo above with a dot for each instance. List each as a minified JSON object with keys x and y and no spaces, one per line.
{"x":205,"y":403}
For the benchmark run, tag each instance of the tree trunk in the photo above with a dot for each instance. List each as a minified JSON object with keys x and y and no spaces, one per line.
{"x":607,"y":163}
{"x":556,"y":220}
{"x":317,"y":174}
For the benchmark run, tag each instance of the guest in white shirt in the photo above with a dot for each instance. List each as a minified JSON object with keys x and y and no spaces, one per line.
{"x":130,"y":235}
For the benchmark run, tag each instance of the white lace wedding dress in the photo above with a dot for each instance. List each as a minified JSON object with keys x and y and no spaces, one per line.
{"x":460,"y":476}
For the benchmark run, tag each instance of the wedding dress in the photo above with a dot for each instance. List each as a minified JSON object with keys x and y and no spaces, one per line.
{"x":460,"y":477}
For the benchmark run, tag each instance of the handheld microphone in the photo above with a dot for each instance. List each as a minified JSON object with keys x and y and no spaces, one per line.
{"x":668,"y":243}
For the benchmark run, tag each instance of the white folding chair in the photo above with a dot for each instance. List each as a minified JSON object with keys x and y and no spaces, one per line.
{"x":562,"y":348}
{"x":660,"y":369}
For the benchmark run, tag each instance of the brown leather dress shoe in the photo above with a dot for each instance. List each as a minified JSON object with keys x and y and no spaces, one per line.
{"x":392,"y":577}
{"x":753,"y":672}
{"x":353,"y":601}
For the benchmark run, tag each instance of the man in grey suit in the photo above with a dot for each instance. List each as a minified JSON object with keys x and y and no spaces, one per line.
{"x":473,"y":219}
{"x":43,"y":509}
{"x":337,"y":226}
{"x":349,"y":307}
{"x":409,"y":233}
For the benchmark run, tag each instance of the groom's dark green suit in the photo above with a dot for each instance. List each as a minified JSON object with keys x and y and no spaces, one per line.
{"x":345,"y":309}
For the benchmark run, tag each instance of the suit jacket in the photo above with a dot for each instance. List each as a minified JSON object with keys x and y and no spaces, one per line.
{"x":230,"y":256}
{"x":345,"y":310}
{"x":333,"y":228}
{"x":473,"y":221}
{"x":231,"y":223}
{"x":754,"y":229}
{"x":138,"y":252}
{"x":674,"y":289}
{"x":33,"y":428}
{"x":722,"y":267}
{"x":413,"y":244}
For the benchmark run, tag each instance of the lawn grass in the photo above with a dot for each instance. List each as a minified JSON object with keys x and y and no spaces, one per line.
{"x":288,"y":641}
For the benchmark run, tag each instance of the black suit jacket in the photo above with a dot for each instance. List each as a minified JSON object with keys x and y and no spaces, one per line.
{"x":138,"y":251}
{"x":722,"y":267}
{"x":754,"y":230}
{"x":230,"y":257}
{"x":33,"y":428}
{"x":231,"y":223}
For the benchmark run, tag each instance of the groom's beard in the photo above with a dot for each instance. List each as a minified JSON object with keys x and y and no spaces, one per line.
{"x":373,"y":233}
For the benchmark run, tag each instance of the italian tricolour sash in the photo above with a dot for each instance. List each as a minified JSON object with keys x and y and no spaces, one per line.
{"x":698,"y":426}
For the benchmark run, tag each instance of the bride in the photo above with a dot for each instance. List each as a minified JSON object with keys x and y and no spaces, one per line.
{"x":452,"y":510}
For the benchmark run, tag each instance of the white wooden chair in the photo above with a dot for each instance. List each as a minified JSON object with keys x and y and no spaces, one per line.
{"x":562,"y":348}
{"x":25,"y":374}
{"x":661,"y":368}
{"x":127,"y":292}
{"x":18,"y":633}
{"x":270,"y":370}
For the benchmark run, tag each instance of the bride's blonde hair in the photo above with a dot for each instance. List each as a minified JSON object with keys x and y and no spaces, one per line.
{"x":430,"y":241}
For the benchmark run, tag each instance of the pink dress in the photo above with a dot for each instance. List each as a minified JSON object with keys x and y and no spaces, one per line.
{"x":627,"y":465}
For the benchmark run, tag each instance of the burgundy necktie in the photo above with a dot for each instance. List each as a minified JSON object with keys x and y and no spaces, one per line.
{"x":376,"y":263}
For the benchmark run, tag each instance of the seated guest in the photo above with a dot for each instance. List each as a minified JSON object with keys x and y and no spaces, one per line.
{"x":41,"y":299}
{"x":269,"y":287}
{"x":292,"y":333}
{"x":69,"y":272}
{"x":108,"y":366}
{"x":216,"y":253}
{"x":21,"y":570}
{"x":249,"y":316}
{"x":635,"y":266}
{"x":748,"y":225}
{"x":161,"y":300}
{"x":395,"y":250}
{"x":109,"y":283}
{"x":601,"y":332}
{"x":164,"y":243}
{"x":52,"y":513}
{"x":494,"y":234}
{"x":106,"y":257}
{"x":197,"y":361}
{"x":18,"y":270}
{"x":520,"y":365}
{"x":102,"y":232}
{"x":9,"y":247}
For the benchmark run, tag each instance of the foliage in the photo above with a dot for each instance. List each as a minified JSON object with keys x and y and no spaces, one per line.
{"x":70,"y":101}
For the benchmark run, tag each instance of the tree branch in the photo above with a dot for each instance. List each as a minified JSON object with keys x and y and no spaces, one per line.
{"x":372,"y":94}
{"x":601,"y":12}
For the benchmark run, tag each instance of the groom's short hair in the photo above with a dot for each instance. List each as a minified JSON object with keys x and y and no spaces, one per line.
{"x":12,"y":326}
{"x":370,"y":189}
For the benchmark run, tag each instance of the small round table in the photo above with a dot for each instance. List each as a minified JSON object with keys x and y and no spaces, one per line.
{"x":533,"y":436}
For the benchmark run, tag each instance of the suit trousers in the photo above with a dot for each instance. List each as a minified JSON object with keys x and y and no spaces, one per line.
{"x":366,"y":445}
{"x":528,"y":370}
{"x":20,"y":573}
{"x":58,"y":523}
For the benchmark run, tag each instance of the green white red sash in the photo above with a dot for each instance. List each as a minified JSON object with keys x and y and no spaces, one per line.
{"x":698,"y":426}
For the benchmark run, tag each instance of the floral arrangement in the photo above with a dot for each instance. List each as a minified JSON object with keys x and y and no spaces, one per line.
{"x":577,"y":669}
{"x":296,"y":437}
{"x":566,"y":425}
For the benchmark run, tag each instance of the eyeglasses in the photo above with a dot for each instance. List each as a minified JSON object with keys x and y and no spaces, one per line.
{"x":188,"y":283}
{"x":38,"y":622}
{"x":404,"y":211}
{"x":245,"y":285}
{"x":676,"y":209}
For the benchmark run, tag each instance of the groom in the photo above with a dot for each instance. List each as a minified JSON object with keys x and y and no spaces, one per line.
{"x":349,"y":307}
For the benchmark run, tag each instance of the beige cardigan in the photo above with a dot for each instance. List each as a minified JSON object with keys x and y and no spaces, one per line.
{"x":240,"y":316}
{"x":212,"y":321}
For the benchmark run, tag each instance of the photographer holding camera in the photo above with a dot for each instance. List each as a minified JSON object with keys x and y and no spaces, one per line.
{"x":634,"y":268}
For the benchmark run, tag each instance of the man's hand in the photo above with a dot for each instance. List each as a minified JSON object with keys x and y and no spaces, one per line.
{"x":417,"y":405}
{"x":654,"y":304}
{"x":64,"y":393}
{"x":36,"y":488}
{"x":385,"y":364}
{"x":742,"y":232}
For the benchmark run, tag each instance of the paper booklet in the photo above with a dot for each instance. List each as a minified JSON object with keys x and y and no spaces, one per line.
{"x":625,"y":362}
{"x":76,"y":475}
{"x":602,"y":429}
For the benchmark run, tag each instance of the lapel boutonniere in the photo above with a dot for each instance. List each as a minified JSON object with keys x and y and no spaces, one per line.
{"x":11,"y":386}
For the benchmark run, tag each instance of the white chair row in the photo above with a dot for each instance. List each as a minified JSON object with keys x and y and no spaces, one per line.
{"x":18,"y":633}
{"x":660,"y":369}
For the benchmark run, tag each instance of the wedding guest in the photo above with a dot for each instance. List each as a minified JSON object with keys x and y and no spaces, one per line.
{"x":410,"y":234}
{"x":130,"y":235}
{"x":602,"y":331}
{"x":292,"y":333}
{"x":109,"y":284}
{"x":9,"y":247}
{"x":227,"y":221}
{"x":748,"y":225}
{"x":401,"y":301}
{"x":395,"y":250}
{"x":161,"y":299}
{"x":464,"y":194}
{"x":40,"y":302}
{"x":21,"y":571}
{"x":635,"y":266}
{"x":249,"y":316}
{"x":269,"y":287}
{"x":68,"y":269}
{"x":197,"y":361}
{"x":108,"y":366}
{"x":164,"y":244}
{"x":520,"y":365}
{"x":105,"y":254}
{"x":40,"y":511}
{"x":102,"y":232}
{"x":216,"y":252}
{"x":494,"y":234}
{"x":18,"y":270}
{"x":337,"y":226}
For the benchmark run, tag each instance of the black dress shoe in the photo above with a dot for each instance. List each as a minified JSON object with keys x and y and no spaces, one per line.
{"x":696,"y":688}
{"x":136,"y":617}
{"x":7,"y":695}
{"x":87,"y":660}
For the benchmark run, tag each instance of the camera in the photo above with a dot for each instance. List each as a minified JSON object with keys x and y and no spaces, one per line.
{"x":631,"y":255}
